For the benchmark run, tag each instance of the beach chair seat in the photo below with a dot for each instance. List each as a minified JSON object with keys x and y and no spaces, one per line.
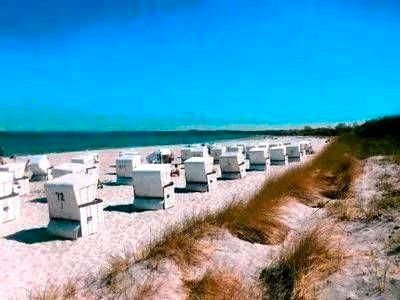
{"x":200,"y":175}
{"x":153,"y":187}
{"x":71,"y":200}
{"x":232,"y":165}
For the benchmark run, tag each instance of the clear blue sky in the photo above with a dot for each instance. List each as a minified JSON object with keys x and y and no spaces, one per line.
{"x":175,"y":64}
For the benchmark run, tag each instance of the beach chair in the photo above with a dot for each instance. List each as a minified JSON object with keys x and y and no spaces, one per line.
{"x":277,"y":156}
{"x":21,"y":182}
{"x":89,"y":160}
{"x":68,"y":168}
{"x":216,"y":151}
{"x":127,"y":152}
{"x":263,"y":145}
{"x":74,"y":210}
{"x":10,"y":206}
{"x":273,"y":145}
{"x":124,"y":167}
{"x":199,"y":174}
{"x":306,"y":147}
{"x":40,"y":167}
{"x":153,"y":187}
{"x":199,"y":151}
{"x":186,"y":153}
{"x":235,"y":148}
{"x":293,"y":153}
{"x":247,"y":148}
{"x":232,"y":165}
{"x":258,"y":158}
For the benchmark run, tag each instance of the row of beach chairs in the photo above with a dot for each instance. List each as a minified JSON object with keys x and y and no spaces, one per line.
{"x":71,"y":188}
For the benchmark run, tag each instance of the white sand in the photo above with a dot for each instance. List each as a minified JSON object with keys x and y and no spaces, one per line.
{"x":30,"y":259}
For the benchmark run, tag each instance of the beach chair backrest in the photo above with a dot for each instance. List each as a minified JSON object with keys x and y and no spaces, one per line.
{"x":217,"y":151}
{"x":125,"y":164}
{"x":65,"y":194}
{"x":186,"y":153}
{"x":16,"y":168}
{"x":231,"y":161}
{"x":293,"y":151}
{"x":68,"y":168}
{"x":88,"y":160}
{"x":199,"y":152}
{"x":149,"y":180}
{"x":39,"y":164}
{"x":197,"y":168}
{"x":277,"y":153}
{"x":6,"y":184}
{"x":258,"y":155}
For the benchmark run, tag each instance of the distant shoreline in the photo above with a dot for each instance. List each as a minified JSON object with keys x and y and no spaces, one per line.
{"x":35,"y":142}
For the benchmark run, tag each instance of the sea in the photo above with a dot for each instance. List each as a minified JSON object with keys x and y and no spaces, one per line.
{"x":23,"y":143}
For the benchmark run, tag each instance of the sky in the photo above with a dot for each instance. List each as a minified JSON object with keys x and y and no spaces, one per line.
{"x":206,"y":64}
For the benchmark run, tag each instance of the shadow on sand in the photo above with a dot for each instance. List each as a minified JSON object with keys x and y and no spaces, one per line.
{"x":124,"y":208}
{"x":114,"y":183}
{"x":33,"y":236}
{"x":180,"y":190}
{"x":39,"y":200}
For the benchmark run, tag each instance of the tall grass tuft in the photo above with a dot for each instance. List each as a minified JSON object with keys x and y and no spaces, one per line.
{"x":181,"y":243}
{"x":221,"y":285}
{"x":308,"y":259}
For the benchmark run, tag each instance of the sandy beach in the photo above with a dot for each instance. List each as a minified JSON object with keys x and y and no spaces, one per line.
{"x":31,"y":259}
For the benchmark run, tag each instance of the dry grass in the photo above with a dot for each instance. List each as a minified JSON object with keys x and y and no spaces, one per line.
{"x":329,"y":175}
{"x":110,"y":275}
{"x":68,"y":291}
{"x":257,"y":221}
{"x":181,"y":244}
{"x":221,"y":285}
{"x":384,"y":204}
{"x":309,"y":259}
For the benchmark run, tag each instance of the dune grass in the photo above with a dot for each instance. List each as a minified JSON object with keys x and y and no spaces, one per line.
{"x":256,"y":221}
{"x":304,"y":262}
{"x":67,"y":291}
{"x":180,"y":244}
{"x":221,"y":285}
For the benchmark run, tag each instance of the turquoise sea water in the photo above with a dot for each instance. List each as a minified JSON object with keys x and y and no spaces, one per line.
{"x":46,"y":142}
